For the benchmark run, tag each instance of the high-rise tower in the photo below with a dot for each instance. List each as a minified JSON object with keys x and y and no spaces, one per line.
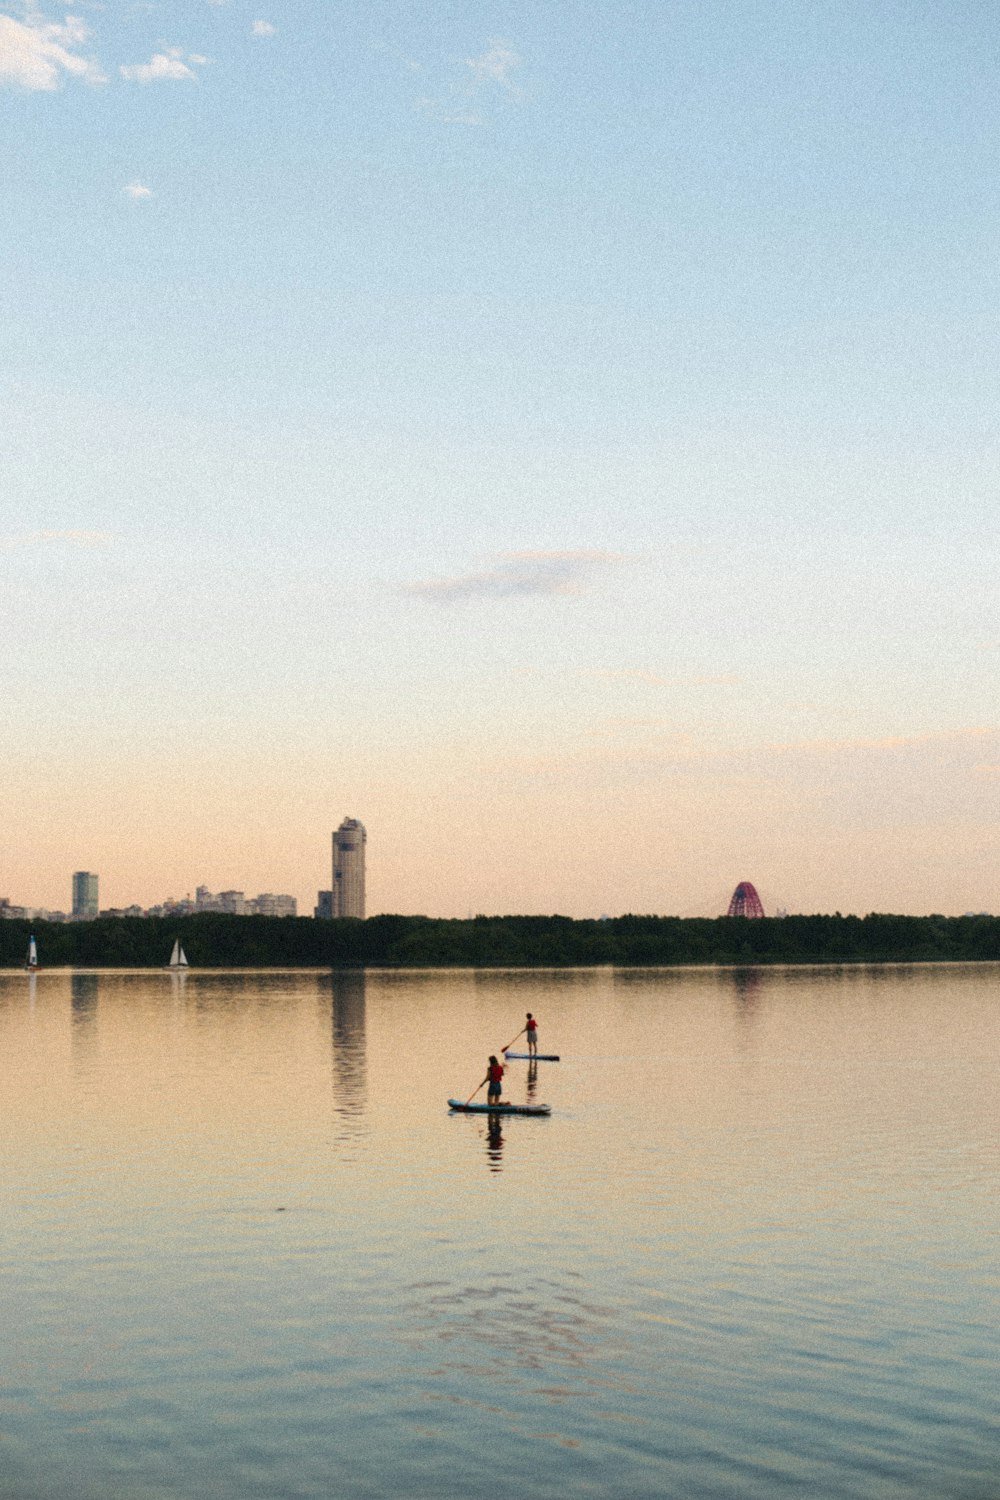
{"x":85,"y":903}
{"x":349,"y":869}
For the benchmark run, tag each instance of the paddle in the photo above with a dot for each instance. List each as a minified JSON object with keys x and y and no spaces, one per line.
{"x":512,"y":1041}
{"x":475,"y":1091}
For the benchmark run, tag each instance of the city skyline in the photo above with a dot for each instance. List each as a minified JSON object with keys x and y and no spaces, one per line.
{"x":566,"y":436}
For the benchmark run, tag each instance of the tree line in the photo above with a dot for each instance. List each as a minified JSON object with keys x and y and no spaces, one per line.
{"x":215,"y":940}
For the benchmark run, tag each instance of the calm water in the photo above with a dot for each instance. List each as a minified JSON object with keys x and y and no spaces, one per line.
{"x":247,"y":1253}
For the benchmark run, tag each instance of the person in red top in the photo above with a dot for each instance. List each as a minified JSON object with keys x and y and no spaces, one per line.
{"x":532,"y":1033}
{"x":494,"y":1076}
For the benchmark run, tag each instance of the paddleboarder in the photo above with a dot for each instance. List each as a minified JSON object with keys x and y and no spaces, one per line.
{"x":494,"y":1075}
{"x":531,"y":1030}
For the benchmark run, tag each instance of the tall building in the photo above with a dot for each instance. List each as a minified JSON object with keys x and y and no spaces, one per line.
{"x":349,"y":869}
{"x":85,"y":903}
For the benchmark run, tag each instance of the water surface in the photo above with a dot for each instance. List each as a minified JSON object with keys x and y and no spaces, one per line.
{"x":246,"y":1252}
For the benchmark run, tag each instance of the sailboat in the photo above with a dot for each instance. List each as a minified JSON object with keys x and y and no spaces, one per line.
{"x":178,"y":958}
{"x":31,"y":962}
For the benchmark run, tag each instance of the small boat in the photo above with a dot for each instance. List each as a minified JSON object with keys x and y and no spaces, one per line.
{"x":31,"y":962}
{"x":533,"y":1056}
{"x":500,"y":1109}
{"x":178,"y":958}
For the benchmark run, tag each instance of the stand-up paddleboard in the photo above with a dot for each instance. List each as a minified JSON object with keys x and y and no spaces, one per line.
{"x":534,"y":1056}
{"x":500,"y":1109}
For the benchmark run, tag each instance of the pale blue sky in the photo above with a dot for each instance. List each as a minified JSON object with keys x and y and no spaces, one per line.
{"x":462,"y":415}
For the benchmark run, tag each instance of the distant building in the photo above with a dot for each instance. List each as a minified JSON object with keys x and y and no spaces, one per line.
{"x":323,"y":908}
{"x":349,"y":869}
{"x":267,"y":905}
{"x":85,"y":902}
{"x":232,"y":902}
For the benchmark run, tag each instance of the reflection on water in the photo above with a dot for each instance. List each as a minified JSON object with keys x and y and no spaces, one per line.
{"x":718,"y":1270}
{"x":84,"y":990}
{"x":746,"y":987}
{"x":494,"y":1142}
{"x":347,"y":1018}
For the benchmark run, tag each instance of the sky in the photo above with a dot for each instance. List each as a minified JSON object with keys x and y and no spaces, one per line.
{"x":562,"y":436}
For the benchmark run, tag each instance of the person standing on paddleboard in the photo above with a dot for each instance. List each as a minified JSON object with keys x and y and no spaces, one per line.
{"x":494,"y":1075}
{"x":532,"y":1033}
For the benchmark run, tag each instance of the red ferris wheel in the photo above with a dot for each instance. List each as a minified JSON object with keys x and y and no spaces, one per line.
{"x":745,"y":902}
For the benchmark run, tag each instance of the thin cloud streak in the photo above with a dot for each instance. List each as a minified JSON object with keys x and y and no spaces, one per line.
{"x":44,"y":538}
{"x":680,"y":749}
{"x":520,"y":575}
{"x":654,"y":679}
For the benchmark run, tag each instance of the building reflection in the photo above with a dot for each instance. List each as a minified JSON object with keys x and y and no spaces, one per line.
{"x":747,"y":984}
{"x":347,"y":1023}
{"x":83,"y":995}
{"x":83,"y":989}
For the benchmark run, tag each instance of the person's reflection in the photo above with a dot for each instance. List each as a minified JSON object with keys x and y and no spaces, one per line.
{"x":532,"y":1081}
{"x":494,"y":1142}
{"x":348,"y":1036}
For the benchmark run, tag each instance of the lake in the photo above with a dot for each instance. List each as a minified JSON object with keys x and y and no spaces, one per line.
{"x":247,"y":1252}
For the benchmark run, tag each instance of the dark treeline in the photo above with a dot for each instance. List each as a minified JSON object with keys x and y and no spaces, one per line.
{"x":212,"y":940}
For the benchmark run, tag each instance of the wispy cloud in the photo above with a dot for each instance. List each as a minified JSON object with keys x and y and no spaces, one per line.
{"x":495,"y":65}
{"x":263,"y":28}
{"x":521,"y":574}
{"x":462,"y":98}
{"x":137,"y":190}
{"x":39,"y":55}
{"x":42,"y":538}
{"x":172,"y":64}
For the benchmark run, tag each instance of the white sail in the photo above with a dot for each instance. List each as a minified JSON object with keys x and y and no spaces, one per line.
{"x":182,"y":962}
{"x":175,"y":956}
{"x":32,"y":962}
